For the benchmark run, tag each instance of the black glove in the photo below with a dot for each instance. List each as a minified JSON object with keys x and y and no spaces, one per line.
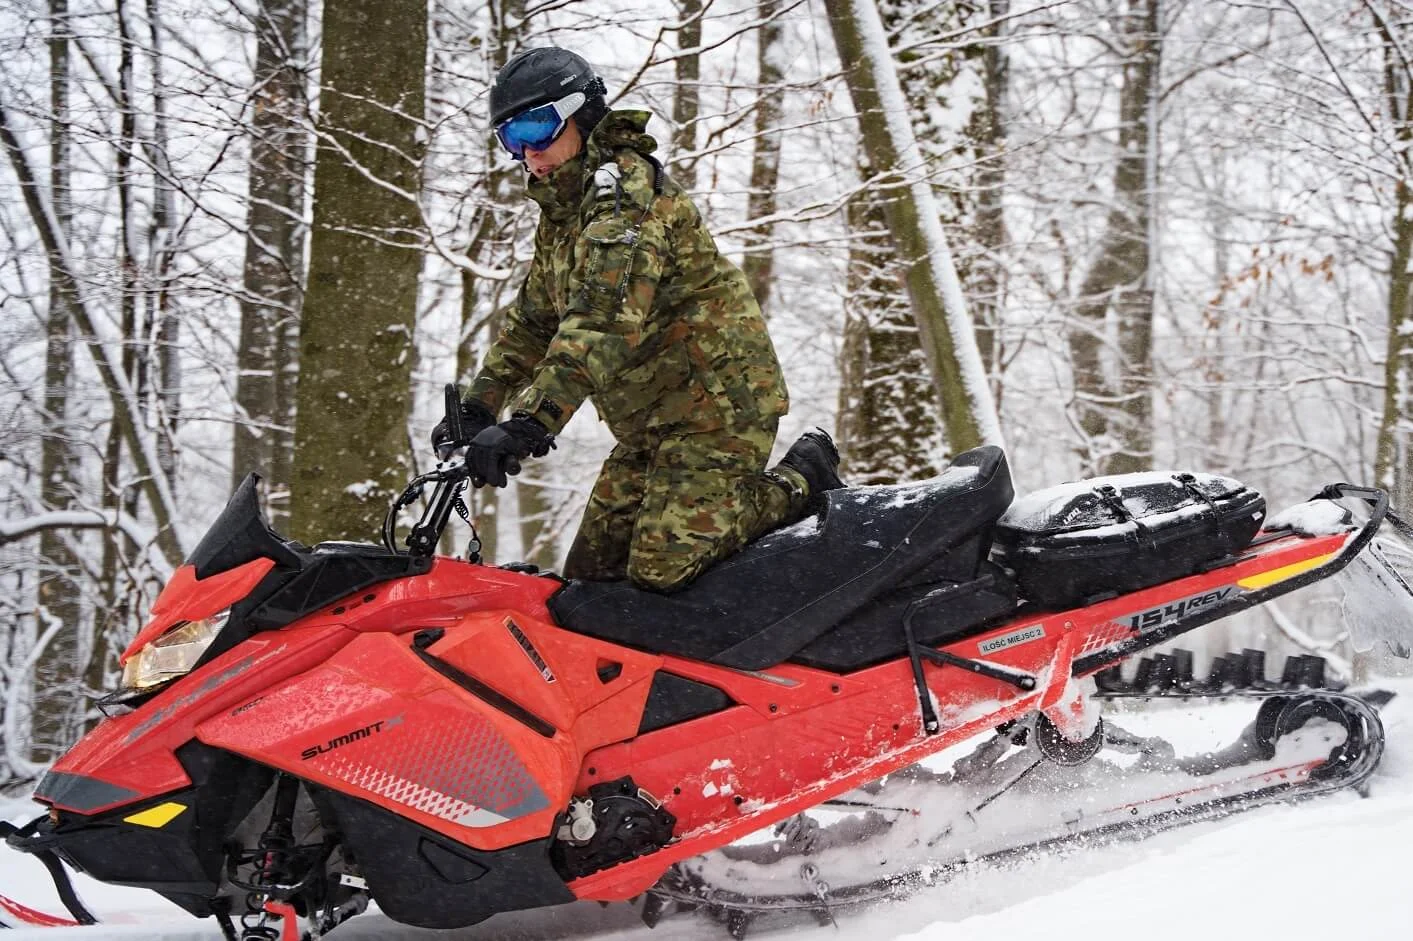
{"x":475,"y":418}
{"x":498,"y":450}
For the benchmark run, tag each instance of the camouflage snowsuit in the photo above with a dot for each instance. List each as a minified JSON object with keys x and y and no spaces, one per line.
{"x":629,"y":303}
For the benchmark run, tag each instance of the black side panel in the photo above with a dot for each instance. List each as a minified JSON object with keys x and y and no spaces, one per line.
{"x":240,"y":535}
{"x":874,"y":634}
{"x":163,"y":859}
{"x":181,"y":859}
{"x":228,"y":788}
{"x":328,"y":576}
{"x":421,"y":878}
{"x":673,"y":699}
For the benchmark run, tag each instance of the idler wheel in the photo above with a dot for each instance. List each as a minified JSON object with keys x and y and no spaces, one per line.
{"x":1054,"y":746}
{"x":1300,"y":710}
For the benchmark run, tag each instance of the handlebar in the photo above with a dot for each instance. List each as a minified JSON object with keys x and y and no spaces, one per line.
{"x":449,"y":480}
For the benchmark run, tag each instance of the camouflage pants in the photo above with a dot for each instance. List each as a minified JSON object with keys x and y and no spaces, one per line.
{"x":662,"y":512}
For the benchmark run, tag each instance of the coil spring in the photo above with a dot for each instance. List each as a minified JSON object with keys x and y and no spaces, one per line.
{"x":255,"y":926}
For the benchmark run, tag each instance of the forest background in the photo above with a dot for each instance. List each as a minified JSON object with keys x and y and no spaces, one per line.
{"x":261,"y":235}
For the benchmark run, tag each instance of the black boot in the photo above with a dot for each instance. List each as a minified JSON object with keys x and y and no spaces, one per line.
{"x":815,"y":458}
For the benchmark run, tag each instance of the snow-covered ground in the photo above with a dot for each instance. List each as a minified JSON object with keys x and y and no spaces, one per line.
{"x":1335,"y":867}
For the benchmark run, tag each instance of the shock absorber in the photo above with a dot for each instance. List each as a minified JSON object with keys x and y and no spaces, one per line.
{"x":272,"y":879}
{"x":272,"y":861}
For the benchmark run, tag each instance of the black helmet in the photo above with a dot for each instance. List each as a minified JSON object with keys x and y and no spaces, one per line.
{"x":539,"y":76}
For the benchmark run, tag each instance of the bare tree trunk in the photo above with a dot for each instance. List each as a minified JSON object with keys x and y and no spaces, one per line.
{"x":759,"y":263}
{"x":1116,"y":418}
{"x":492,"y":244}
{"x":274,"y":252}
{"x":117,"y":498}
{"x":160,"y":312}
{"x":1393,"y":467}
{"x":944,"y":326}
{"x":356,"y":349}
{"x":687,"y":95}
{"x":56,"y":671}
{"x":888,"y":430}
{"x":988,"y":133}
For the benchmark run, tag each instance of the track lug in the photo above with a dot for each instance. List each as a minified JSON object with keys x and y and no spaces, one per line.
{"x":737,"y":923}
{"x":1182,"y":665}
{"x":654,"y":907}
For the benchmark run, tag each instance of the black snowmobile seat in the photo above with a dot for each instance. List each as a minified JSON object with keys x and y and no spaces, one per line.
{"x":794,"y":584}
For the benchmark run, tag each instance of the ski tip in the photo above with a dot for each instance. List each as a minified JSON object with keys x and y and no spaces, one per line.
{"x":23,"y":916}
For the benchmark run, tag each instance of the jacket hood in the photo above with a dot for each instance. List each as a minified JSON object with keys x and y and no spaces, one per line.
{"x":620,"y":130}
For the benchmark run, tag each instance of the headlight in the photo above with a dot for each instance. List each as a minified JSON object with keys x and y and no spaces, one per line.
{"x":173,"y":654}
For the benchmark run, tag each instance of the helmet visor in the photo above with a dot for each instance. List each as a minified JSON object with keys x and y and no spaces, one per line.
{"x":536,"y":128}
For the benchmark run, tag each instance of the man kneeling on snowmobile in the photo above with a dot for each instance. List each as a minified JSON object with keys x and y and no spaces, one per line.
{"x":629,"y":303}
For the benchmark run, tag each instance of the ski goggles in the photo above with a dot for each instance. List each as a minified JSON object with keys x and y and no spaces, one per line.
{"x":537,"y":127}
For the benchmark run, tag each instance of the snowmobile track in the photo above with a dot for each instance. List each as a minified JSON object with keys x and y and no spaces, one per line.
{"x":1349,"y":767}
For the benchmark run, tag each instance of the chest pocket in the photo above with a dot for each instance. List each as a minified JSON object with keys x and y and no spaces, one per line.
{"x":611,"y":244}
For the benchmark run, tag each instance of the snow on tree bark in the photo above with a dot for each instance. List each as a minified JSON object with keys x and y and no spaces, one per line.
{"x":274,"y":251}
{"x":1393,"y":466}
{"x":888,"y":429}
{"x":1116,"y":416}
{"x":759,"y":262}
{"x":687,"y":95}
{"x":127,"y":412}
{"x":948,"y":336}
{"x":56,"y":671}
{"x":356,"y":351}
{"x":987,"y":133}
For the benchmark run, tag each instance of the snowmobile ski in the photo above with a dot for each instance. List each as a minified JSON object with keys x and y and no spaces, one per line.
{"x":17,"y":915}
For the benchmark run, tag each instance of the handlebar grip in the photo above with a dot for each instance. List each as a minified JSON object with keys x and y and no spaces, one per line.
{"x":452,"y":399}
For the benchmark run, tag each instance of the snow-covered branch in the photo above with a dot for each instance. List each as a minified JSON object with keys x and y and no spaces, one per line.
{"x":12,"y":530}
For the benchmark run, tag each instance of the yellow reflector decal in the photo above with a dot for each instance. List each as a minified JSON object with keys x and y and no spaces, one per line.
{"x":1286,"y":571}
{"x":156,"y":817}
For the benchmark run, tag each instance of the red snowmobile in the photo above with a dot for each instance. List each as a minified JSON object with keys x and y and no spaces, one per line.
{"x":301,"y":730}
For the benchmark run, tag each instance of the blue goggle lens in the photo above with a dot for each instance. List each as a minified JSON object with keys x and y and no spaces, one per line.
{"x":535,"y":129}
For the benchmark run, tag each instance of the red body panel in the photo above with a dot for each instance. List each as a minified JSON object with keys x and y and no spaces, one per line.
{"x":137,"y":751}
{"x":375,"y":722}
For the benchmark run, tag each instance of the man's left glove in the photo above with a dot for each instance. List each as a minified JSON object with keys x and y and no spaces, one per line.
{"x":495,"y":454}
{"x":475,"y":418}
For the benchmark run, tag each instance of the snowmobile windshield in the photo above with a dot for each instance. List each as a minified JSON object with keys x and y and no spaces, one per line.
{"x":1376,"y":588}
{"x":1378,"y":601}
{"x":240,"y":535}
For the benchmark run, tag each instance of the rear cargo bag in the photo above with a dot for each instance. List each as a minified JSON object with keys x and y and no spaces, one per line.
{"x":1082,"y":542}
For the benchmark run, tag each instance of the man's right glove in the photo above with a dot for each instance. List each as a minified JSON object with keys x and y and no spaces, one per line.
{"x":496,"y":452}
{"x":475,"y":418}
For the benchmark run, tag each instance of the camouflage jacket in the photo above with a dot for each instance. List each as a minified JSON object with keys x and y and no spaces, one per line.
{"x":629,"y":302}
